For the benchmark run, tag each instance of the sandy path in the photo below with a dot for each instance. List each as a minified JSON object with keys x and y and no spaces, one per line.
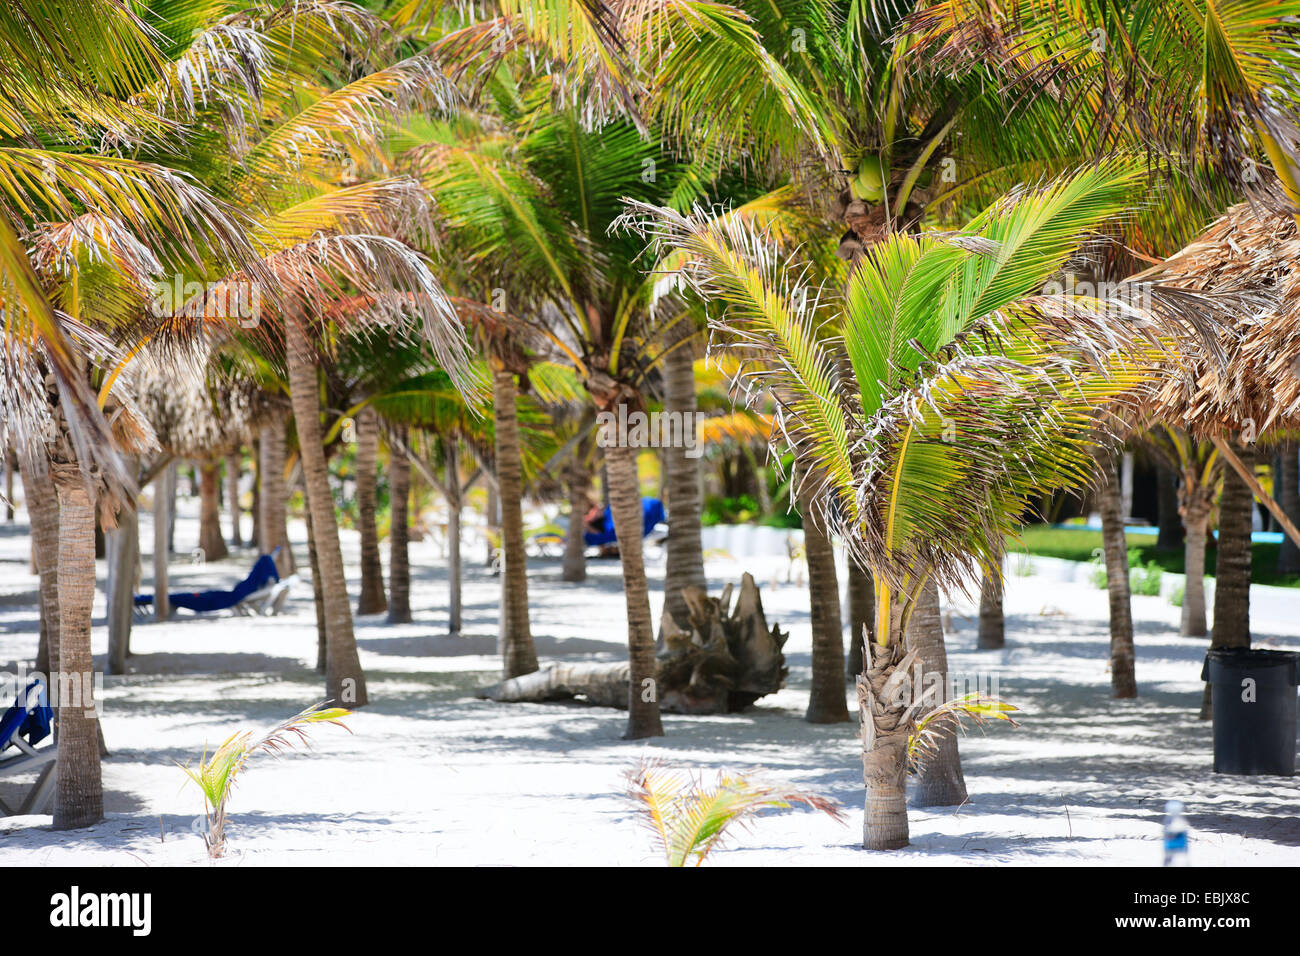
{"x":433,"y":776}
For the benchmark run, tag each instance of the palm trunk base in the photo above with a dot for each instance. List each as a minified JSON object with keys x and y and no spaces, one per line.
{"x":885,"y":826}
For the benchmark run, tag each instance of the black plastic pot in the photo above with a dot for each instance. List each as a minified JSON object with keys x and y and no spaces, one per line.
{"x":1254,"y":701}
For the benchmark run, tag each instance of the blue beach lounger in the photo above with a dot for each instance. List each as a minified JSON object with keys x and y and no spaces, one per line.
{"x":262,"y":587}
{"x":22,"y":726}
{"x":652,"y":513}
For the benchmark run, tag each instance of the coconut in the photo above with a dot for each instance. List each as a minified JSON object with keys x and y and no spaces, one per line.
{"x":869,"y":184}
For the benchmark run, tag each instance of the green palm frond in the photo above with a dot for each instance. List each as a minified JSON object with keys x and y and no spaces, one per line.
{"x":948,"y":717}
{"x":1196,"y":79}
{"x":71,"y":67}
{"x":217,"y":774}
{"x":777,"y":321}
{"x":689,"y":818}
{"x":347,"y":123}
{"x":717,"y":88}
{"x":943,"y":389}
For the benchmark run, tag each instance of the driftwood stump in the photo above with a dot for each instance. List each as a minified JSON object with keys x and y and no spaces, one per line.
{"x":727,"y":660}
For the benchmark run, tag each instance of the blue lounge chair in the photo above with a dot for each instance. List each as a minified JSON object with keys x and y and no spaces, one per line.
{"x":652,"y":514}
{"x":22,"y":727}
{"x":262,"y":587}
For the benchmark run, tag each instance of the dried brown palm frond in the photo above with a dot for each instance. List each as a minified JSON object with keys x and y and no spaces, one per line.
{"x":180,"y":222}
{"x":195,"y":413}
{"x":578,"y":46}
{"x":1250,"y":252}
{"x":395,"y":277}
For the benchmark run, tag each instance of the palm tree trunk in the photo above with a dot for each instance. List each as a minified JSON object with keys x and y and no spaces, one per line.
{"x":493,"y":521}
{"x":399,"y":532}
{"x":575,"y":545}
{"x":162,"y":501}
{"x":372,"y":599}
{"x":1232,"y":563}
{"x":318,"y":597}
{"x":862,"y":615}
{"x":884,"y":741}
{"x":211,"y":541}
{"x":940,"y":783}
{"x":274,"y":495}
{"x":1122,"y":678}
{"x":345,"y":684}
{"x":1171,"y":533}
{"x":1196,"y":526}
{"x":43,"y":513}
{"x":453,"y":537}
{"x":232,"y":494}
{"x":684,"y":558}
{"x":11,"y":465}
{"x":1288,"y":558}
{"x":625,"y":504}
{"x":516,"y":639}
{"x":79,"y":788}
{"x":992,"y":624}
{"x":123,"y":569}
{"x":256,"y":460}
{"x":826,"y":704}
{"x":173,"y":489}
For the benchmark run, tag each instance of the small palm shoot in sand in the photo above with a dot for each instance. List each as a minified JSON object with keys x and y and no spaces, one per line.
{"x":689,"y":819}
{"x":216,"y":775}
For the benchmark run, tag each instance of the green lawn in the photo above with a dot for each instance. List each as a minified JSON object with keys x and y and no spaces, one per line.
{"x":1080,"y":545}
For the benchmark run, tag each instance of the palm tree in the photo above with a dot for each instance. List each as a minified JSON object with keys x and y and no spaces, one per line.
{"x":862,"y":616}
{"x":516,"y":641}
{"x":274,"y":498}
{"x":233,"y":463}
{"x":81,"y":244}
{"x":1243,"y":388}
{"x":578,"y":479}
{"x":932,"y":398}
{"x":333,"y":224}
{"x":684,"y":558}
{"x":211,"y":541}
{"x":1198,"y":465}
{"x":589,"y":296}
{"x":399,"y":529}
{"x":940,"y":782}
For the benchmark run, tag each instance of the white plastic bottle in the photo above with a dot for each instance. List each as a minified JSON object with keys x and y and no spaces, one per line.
{"x":1175,"y":834}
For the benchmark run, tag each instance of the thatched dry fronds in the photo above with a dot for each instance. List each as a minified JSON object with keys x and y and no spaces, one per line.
{"x":195,"y":414}
{"x":1255,"y":391}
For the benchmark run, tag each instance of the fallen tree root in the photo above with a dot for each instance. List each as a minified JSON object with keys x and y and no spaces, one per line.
{"x":726,"y":660}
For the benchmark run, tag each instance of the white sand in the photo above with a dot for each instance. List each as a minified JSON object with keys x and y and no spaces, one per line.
{"x":432,"y":776}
